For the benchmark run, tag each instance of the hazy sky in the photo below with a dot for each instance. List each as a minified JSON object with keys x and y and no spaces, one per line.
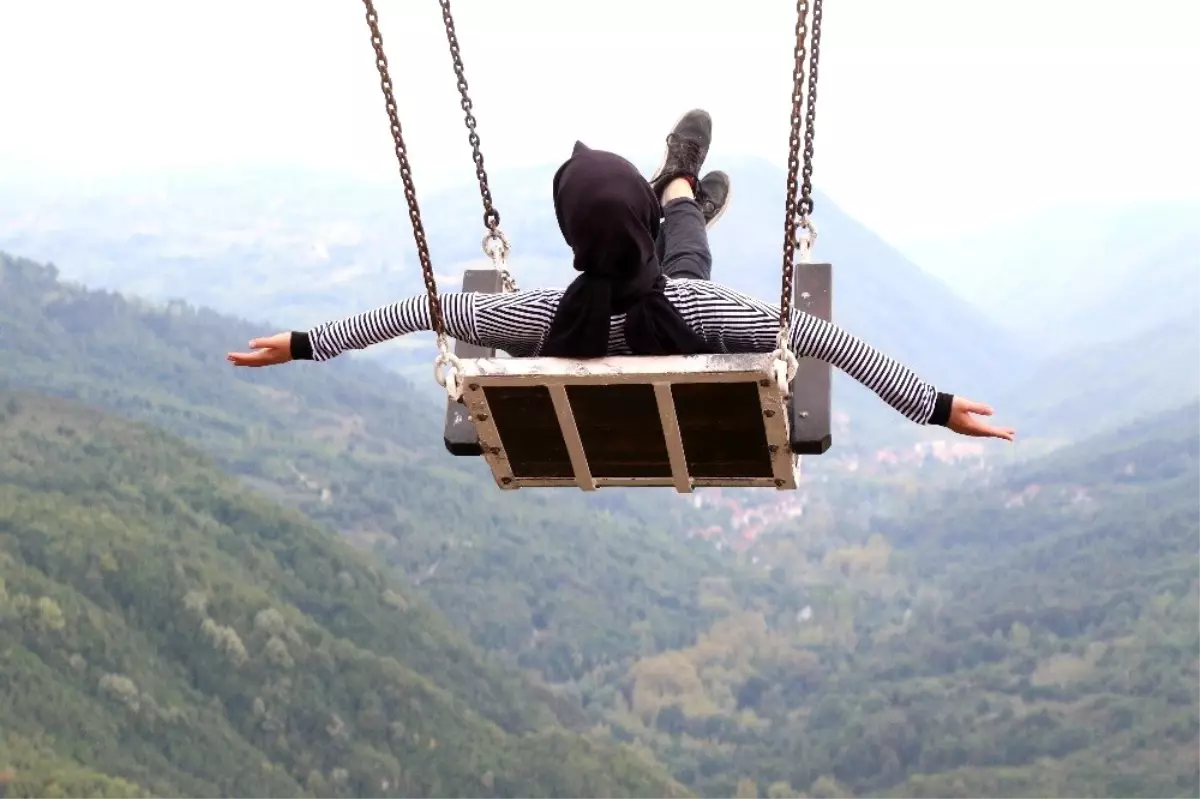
{"x":935,"y":116}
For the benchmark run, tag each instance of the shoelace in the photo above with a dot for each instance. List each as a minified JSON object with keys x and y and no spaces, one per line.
{"x":689,"y":149}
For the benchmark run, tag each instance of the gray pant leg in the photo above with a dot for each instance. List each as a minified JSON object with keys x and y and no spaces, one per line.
{"x":682,"y":244}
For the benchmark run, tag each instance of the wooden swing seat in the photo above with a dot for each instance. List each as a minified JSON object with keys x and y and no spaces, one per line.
{"x":681,"y":421}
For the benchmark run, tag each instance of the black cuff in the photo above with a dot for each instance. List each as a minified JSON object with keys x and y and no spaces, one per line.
{"x":941,"y":409}
{"x":301,"y":347}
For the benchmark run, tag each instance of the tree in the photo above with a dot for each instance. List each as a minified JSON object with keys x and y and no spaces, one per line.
{"x":747,"y":788}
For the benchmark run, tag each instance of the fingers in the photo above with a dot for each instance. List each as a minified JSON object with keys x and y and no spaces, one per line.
{"x":261,"y":357}
{"x":264,"y":351}
{"x":277,"y":341}
{"x":971,"y":406}
{"x":1006,"y":433}
{"x":257,"y":358}
{"x":982,"y":430}
{"x":965,"y":420}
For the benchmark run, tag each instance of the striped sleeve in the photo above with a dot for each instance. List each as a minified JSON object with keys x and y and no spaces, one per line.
{"x":735,"y":322}
{"x":892,"y":381}
{"x":513,"y":322}
{"x":728,"y":320}
{"x":360,"y":331}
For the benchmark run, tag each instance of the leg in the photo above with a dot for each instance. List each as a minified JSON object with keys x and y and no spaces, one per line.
{"x":682,"y":244}
{"x":683,"y":240}
{"x":690,"y":205}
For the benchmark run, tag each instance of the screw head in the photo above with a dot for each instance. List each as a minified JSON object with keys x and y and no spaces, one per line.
{"x":768,"y":413}
{"x":473,"y":386}
{"x":482,"y":417}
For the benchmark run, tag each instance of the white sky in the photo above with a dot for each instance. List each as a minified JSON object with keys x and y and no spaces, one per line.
{"x":935,"y":116}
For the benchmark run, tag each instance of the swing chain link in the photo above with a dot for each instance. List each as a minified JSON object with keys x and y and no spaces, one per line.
{"x":799,"y":231}
{"x":495,"y":244}
{"x":810,"y":114}
{"x":806,"y":239}
{"x":451,"y":379}
{"x":445,"y":358}
{"x":497,"y":248}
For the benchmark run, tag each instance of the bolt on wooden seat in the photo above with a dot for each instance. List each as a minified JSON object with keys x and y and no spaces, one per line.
{"x":682,"y":421}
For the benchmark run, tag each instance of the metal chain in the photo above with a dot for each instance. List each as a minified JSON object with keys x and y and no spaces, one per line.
{"x":805,"y":207}
{"x":797,"y":211}
{"x":445,"y":357}
{"x":804,"y":229}
{"x":495,"y":244}
{"x":789,"y":218}
{"x":491,"y":217}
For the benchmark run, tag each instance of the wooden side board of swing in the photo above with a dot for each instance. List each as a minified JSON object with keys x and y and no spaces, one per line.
{"x":681,"y":421}
{"x":810,"y":408}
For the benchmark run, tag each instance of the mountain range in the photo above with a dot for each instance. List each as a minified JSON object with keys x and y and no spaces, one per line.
{"x":1109,"y":300}
{"x":281,"y":570}
{"x":1086,"y":275}
{"x":171,"y":630}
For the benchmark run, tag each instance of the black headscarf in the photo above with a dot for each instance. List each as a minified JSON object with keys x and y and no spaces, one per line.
{"x":609,"y":215}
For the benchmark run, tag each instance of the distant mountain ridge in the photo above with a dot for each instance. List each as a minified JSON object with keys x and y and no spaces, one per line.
{"x":1077,"y":276}
{"x":1094,"y":387}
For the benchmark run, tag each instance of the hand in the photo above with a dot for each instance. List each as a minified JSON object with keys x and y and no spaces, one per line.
{"x":267,"y":351}
{"x":963,"y":420}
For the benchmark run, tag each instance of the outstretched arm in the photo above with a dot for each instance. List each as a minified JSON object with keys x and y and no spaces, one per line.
{"x":895,"y":383}
{"x":328,"y":340}
{"x":515,"y":323}
{"x":731,"y":321}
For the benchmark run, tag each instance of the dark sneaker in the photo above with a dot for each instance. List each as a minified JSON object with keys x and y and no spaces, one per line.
{"x":712,"y":195}
{"x":687,"y":147}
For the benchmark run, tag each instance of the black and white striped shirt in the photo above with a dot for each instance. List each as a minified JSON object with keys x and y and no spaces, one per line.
{"x":727,"y":320}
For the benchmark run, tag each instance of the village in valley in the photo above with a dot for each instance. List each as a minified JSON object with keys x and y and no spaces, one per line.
{"x":749,"y":513}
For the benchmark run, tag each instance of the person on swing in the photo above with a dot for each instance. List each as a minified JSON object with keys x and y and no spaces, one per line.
{"x":645,"y":288}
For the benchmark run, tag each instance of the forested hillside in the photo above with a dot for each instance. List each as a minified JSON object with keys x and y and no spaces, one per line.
{"x":1033,"y":633}
{"x":348,"y":444}
{"x":162,"y":626}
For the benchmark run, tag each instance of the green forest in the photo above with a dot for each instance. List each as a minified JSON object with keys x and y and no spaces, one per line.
{"x":281,"y":572}
{"x":158,"y":619}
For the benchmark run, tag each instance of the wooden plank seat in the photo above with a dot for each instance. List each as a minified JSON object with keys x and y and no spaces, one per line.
{"x":627,"y":421}
{"x":682,"y":421}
